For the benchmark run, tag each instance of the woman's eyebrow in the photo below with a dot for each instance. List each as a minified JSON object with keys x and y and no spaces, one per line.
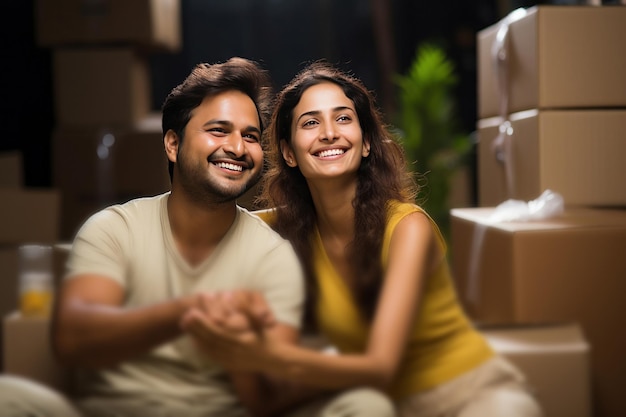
{"x":317,"y":112}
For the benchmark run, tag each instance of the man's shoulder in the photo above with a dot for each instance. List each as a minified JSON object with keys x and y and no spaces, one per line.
{"x":140,"y":207}
{"x":257,"y":228}
{"x":128,"y":214}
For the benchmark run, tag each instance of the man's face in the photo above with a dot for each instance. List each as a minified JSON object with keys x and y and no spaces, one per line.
{"x":221,"y":157}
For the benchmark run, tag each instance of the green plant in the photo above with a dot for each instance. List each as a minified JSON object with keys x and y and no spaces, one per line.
{"x":429,"y":130}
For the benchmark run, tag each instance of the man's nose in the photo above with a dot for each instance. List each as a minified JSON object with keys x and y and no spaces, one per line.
{"x":235,"y":144}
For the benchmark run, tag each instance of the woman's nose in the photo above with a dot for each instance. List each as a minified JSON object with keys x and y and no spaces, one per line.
{"x":328,"y":132}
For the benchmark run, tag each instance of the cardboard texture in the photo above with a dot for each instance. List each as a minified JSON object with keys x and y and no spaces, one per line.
{"x":557,"y":57}
{"x":29,"y":215}
{"x":114,"y":166}
{"x":555,"y":360}
{"x":150,"y":23}
{"x":566,"y":269}
{"x":100,"y":86}
{"x":27,"y":352}
{"x":581,"y":154}
{"x":11,"y":169}
{"x":9,"y":280}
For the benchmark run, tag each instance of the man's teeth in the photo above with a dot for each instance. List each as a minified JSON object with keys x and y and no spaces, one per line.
{"x":331,"y":152}
{"x":232,"y":167}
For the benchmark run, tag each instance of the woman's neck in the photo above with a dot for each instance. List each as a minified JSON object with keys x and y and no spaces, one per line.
{"x":335,"y":212}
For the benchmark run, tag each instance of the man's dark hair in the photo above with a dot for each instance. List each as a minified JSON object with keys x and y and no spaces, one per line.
{"x":208,"y":80}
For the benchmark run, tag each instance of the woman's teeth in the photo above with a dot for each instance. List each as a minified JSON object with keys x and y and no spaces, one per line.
{"x":330,"y":152}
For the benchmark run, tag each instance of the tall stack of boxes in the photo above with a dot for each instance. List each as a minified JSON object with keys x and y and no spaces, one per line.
{"x":27,"y":215}
{"x":107,"y":145}
{"x":552,"y":116}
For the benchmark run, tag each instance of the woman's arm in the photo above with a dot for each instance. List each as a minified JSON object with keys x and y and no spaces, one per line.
{"x":413,"y":254}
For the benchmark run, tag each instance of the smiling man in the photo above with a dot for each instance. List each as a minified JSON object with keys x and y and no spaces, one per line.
{"x":138,"y":268}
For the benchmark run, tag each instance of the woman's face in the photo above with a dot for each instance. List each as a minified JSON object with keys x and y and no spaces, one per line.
{"x":327,"y":141}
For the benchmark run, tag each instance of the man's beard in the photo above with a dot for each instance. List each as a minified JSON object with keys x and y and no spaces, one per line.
{"x":208,"y":190}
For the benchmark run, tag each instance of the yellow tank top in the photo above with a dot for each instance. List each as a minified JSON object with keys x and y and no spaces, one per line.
{"x":443,"y":344}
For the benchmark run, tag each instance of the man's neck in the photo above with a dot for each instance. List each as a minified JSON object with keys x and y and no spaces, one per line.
{"x":198,"y":228}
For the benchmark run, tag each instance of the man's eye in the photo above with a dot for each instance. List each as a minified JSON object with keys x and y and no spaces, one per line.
{"x":217,"y":130}
{"x":251,"y":137}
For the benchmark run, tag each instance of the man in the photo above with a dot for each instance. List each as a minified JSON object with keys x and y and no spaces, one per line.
{"x":136,"y":269}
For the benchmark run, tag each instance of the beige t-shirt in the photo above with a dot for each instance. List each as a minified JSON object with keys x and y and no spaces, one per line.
{"x":133,"y":245}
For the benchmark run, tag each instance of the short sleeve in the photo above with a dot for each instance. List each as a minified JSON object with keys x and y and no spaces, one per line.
{"x":99,"y":247}
{"x":281,"y":279}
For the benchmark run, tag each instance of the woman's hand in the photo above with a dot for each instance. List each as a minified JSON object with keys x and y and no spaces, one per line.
{"x":229,"y":328}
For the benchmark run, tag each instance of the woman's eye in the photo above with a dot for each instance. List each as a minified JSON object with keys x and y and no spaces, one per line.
{"x":309,"y":123}
{"x":344,"y":119}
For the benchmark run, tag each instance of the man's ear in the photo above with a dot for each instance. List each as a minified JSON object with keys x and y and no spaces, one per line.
{"x":171,"y":141}
{"x":288,"y":154}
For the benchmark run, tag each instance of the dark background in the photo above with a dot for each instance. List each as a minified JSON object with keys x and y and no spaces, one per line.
{"x":281,"y":34}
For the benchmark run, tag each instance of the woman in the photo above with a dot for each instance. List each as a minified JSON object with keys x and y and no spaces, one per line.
{"x":379,"y":285}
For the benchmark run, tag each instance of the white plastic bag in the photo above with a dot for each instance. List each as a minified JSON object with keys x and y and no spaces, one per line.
{"x":548,"y":204}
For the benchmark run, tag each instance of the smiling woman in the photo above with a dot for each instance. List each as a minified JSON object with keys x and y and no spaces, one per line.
{"x":340,"y":192}
{"x":327,"y":140}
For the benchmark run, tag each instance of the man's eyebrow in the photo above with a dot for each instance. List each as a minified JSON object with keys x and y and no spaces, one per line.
{"x":253,"y":129}
{"x":230,"y":125}
{"x":218,"y":122}
{"x":317,"y":112}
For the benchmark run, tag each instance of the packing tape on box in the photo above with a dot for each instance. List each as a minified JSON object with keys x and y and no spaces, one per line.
{"x":502,"y":148}
{"x":500,"y":52}
{"x":503,"y":144}
{"x":548,"y":205}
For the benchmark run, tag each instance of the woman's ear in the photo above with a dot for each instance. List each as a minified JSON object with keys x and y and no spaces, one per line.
{"x":366,"y":148}
{"x":288,"y":154}
{"x":171,"y":142}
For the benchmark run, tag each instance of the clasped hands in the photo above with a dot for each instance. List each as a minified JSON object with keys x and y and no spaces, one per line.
{"x":230,"y":328}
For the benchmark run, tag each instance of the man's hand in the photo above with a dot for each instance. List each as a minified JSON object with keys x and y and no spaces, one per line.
{"x":229,"y":327}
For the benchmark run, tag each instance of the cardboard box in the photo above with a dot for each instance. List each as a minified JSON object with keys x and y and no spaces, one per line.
{"x":9,"y":284}
{"x":8,"y":279}
{"x":565,"y":269}
{"x":580,"y":154}
{"x":557,"y":57}
{"x":9,"y":273}
{"x":100,"y":86}
{"x":11,"y":169}
{"x":151,"y":23}
{"x":28,"y":353}
{"x":554,"y":359}
{"x":94,"y":168}
{"x":29,"y":215}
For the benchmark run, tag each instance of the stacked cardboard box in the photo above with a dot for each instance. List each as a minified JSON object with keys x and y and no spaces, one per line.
{"x":27,"y":216}
{"x":555,"y":358}
{"x":552,"y":115}
{"x":26,"y":349}
{"x":107,"y":144}
{"x":566,"y":65}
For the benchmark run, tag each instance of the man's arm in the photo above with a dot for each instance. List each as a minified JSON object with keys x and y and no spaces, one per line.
{"x":92,"y":328}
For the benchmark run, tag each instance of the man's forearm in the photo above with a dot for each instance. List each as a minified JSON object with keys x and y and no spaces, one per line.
{"x":93,"y":335}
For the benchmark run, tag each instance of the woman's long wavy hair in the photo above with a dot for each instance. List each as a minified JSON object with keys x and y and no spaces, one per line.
{"x":382,"y":176}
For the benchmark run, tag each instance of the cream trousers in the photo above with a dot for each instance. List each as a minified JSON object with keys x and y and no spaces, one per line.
{"x":23,"y":398}
{"x":494,"y":389}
